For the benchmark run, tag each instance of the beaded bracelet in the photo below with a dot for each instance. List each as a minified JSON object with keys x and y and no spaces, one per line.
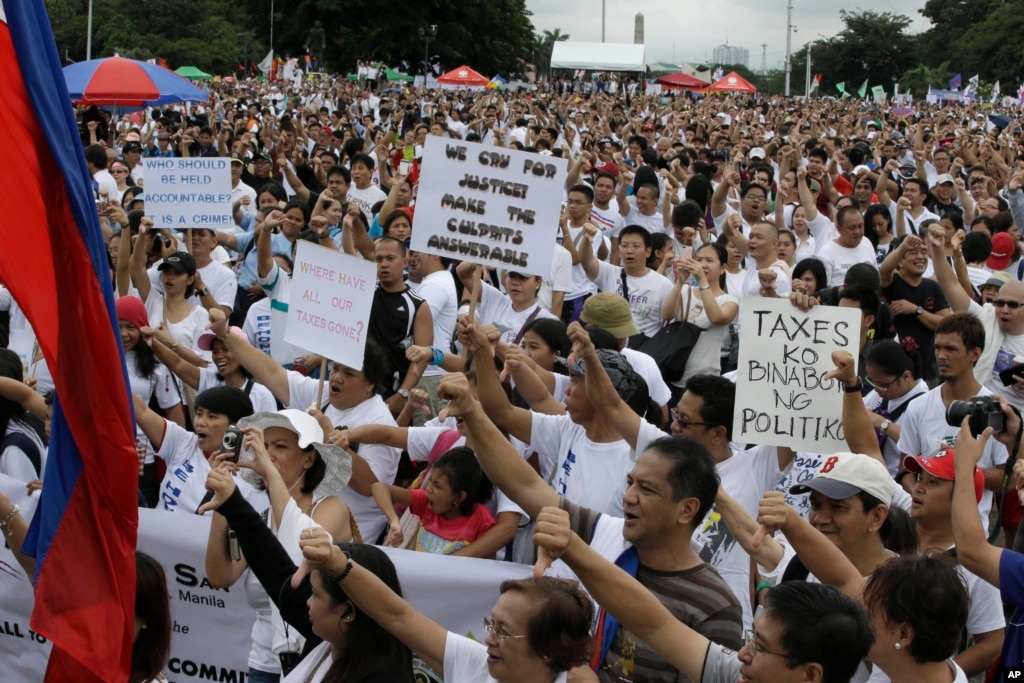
{"x":340,"y":577}
{"x":8,"y":520}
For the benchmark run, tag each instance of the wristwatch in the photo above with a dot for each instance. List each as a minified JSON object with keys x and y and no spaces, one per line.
{"x":205,"y":291}
{"x":884,"y":426}
{"x":919,"y":311}
{"x":404,"y":393}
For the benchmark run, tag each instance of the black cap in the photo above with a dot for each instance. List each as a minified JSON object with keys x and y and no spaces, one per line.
{"x":131,"y":146}
{"x":179,"y":262}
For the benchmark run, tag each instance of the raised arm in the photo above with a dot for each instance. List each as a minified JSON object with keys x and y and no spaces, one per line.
{"x":151,"y":424}
{"x":857,"y":425}
{"x":601,"y":391}
{"x":973,"y":550}
{"x":591,"y":266}
{"x":516,"y":421}
{"x":958,"y":299}
{"x":140,"y":276}
{"x":264,"y":369}
{"x":502,"y":463}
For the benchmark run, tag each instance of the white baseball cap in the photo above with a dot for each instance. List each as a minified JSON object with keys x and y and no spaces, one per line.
{"x":846,"y":474}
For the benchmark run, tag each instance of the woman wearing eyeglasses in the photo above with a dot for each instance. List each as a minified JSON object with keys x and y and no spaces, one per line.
{"x":537,"y":630}
{"x":122,"y":174}
{"x":895,"y":381}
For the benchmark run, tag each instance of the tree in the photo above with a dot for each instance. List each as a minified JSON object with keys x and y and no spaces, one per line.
{"x":991,"y":48}
{"x":950,"y":20}
{"x":545,"y":46}
{"x":873,"y":45}
{"x":919,"y":79}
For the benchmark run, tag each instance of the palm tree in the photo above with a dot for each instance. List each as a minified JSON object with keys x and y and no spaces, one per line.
{"x":545,"y":45}
{"x":919,"y":79}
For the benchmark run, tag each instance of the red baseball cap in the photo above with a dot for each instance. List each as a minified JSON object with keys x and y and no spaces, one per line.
{"x":942,"y":466}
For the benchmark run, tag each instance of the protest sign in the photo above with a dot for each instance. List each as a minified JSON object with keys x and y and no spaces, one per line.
{"x":331,"y":297}
{"x":782,"y":398}
{"x":489,"y":205}
{"x":192,"y":192}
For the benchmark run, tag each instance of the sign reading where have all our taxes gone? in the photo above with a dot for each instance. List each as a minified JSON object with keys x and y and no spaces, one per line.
{"x":331,"y":297}
{"x":782,"y":396}
{"x":489,"y":205}
{"x":190,"y":192}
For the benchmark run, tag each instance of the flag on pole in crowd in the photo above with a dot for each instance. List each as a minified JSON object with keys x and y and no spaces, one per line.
{"x":973,"y":80}
{"x":815,"y":83}
{"x":267,"y":64}
{"x":841,"y":87}
{"x":717,"y":75}
{"x":878,"y":92}
{"x":863,"y":89}
{"x":83,"y":534}
{"x":895,"y":90}
{"x":995,"y":92}
{"x":955,"y":82}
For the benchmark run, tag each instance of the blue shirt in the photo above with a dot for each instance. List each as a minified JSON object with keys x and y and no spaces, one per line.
{"x":1011,"y":589}
{"x":279,"y":246}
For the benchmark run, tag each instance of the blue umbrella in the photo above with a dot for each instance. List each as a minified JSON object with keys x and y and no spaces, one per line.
{"x":129,"y":83}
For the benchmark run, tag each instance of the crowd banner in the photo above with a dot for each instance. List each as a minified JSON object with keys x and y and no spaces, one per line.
{"x":332,"y":294}
{"x":189,"y":192}
{"x":23,"y":653}
{"x":782,"y":397}
{"x":211,"y":626}
{"x":489,"y":205}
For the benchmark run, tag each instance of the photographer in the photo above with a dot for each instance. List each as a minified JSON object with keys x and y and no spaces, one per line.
{"x":959,"y":340}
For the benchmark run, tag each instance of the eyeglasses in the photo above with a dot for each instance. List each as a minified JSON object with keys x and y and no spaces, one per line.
{"x":684,"y":423}
{"x":756,"y":197}
{"x":493,"y":629}
{"x":1012,"y":305}
{"x":748,"y":641}
{"x":577,"y":202}
{"x":880,"y":386}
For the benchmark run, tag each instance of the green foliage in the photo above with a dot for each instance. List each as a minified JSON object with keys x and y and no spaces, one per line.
{"x":545,"y":45}
{"x":917,"y":80}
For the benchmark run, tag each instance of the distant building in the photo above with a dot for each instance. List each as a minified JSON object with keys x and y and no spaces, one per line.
{"x":730,"y":54}
{"x":638,"y":29}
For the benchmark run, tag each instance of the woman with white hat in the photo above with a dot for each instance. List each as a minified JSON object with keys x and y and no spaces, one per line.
{"x":282,"y":452}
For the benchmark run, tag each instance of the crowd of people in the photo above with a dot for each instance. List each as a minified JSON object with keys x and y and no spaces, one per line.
{"x":542,"y":419}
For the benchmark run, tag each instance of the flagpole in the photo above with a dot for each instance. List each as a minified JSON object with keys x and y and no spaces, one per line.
{"x":88,"y":34}
{"x":789,"y":43}
{"x":807,"y":84}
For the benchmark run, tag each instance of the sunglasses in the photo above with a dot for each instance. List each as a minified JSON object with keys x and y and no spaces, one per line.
{"x":1012,"y":305}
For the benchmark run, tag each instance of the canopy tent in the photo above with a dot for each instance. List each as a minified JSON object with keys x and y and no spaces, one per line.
{"x":393,"y":75}
{"x":731,"y":82}
{"x":128,"y":83}
{"x":192,"y":72}
{"x":463,"y":76}
{"x":598,"y":56}
{"x":682,"y":80}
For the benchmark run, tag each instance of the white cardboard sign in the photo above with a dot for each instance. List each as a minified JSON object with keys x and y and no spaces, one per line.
{"x":490,"y":205}
{"x":782,"y":398}
{"x":331,"y":298}
{"x":192,"y":192}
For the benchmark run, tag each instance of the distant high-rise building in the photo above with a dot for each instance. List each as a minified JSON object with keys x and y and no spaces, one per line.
{"x":730,"y":54}
{"x":638,"y":29}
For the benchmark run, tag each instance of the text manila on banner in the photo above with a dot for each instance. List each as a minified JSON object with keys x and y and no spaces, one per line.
{"x":83,"y":534}
{"x":782,"y":398}
{"x":193,"y":192}
{"x":211,"y":637}
{"x":489,"y":205}
{"x":332,"y":294}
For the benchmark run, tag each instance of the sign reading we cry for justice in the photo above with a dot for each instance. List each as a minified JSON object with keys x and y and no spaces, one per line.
{"x":489,"y":205}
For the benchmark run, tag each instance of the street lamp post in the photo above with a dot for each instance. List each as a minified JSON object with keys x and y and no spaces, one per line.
{"x":88,"y":34}
{"x":427,"y":37}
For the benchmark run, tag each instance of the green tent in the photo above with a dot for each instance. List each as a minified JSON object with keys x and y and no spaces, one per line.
{"x":392,"y":75}
{"x":352,"y":77}
{"x":192,"y":72}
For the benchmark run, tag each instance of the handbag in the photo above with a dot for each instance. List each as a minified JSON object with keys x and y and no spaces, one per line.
{"x":671,"y":346}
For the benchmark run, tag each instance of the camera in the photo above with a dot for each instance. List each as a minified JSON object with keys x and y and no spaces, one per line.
{"x":984,"y":411}
{"x":232,"y":442}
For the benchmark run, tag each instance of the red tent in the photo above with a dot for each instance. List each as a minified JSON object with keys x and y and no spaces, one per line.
{"x":732,"y":82}
{"x":681,"y":80}
{"x":464,"y":76}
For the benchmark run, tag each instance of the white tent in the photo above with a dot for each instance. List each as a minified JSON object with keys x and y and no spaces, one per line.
{"x":598,"y":56}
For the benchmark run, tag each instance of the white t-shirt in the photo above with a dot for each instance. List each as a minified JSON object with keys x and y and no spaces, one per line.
{"x":646,"y":367}
{"x":162,"y":385}
{"x":383,"y":460}
{"x":106,"y":182}
{"x":218,"y":278}
{"x":998,"y":355}
{"x":587,"y":473}
{"x":924,"y":431}
{"x":838,"y":259}
{"x":366,"y":198}
{"x":465,"y":661}
{"x":706,"y":355}
{"x":262,"y":399}
{"x":609,"y":221}
{"x":14,"y":462}
{"x":560,"y":278}
{"x":257,"y":325}
{"x":752,"y":282}
{"x":496,"y":309}
{"x":186,"y":331}
{"x":652,"y":224}
{"x":890,"y":451}
{"x":646,"y":294}
{"x":184,"y":484}
{"x":438,"y":290}
{"x":581,"y":284}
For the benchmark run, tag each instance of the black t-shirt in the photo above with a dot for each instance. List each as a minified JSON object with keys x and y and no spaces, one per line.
{"x":942,"y":210}
{"x":391,"y":321}
{"x":929,"y":296}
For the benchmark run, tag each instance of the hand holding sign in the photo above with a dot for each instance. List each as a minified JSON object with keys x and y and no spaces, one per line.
{"x":552,"y":535}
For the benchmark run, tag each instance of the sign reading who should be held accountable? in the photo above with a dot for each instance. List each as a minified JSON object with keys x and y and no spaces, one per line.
{"x":489,"y":205}
{"x":190,"y":192}
{"x":782,"y":398}
{"x":331,"y":297}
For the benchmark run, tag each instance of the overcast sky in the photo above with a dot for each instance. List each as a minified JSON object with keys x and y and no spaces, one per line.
{"x":691,"y":29}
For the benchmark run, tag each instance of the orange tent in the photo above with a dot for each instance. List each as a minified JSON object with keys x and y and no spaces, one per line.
{"x":464,"y":76}
{"x":731,"y":82}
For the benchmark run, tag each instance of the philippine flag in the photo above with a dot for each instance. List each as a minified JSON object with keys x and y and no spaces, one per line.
{"x":53,"y":260}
